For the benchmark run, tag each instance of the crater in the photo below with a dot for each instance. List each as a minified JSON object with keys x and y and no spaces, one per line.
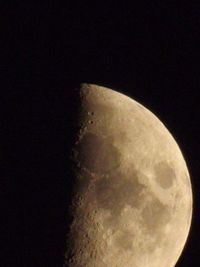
{"x":164,"y":174}
{"x":90,"y":113}
{"x":104,"y":113}
{"x":98,"y":154}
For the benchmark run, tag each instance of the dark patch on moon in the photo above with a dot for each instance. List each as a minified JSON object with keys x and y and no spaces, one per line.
{"x":97,"y":154}
{"x":115,"y":191}
{"x":125,"y":240}
{"x":155,"y":214}
{"x":165,"y":174}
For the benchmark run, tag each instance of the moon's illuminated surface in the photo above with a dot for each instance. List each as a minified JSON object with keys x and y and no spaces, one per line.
{"x":132,"y":204}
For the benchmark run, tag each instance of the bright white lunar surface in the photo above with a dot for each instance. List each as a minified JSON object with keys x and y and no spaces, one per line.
{"x":132,"y":203}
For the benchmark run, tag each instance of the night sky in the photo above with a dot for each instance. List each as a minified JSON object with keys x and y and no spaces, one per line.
{"x":148,"y":50}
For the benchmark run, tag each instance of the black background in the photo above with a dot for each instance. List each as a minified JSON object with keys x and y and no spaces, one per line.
{"x":148,"y":50}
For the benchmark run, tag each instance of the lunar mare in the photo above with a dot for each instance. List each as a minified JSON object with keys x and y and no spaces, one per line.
{"x":132,"y":200}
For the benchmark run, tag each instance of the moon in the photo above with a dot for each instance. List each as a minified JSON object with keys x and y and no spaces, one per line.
{"x":132,"y":200}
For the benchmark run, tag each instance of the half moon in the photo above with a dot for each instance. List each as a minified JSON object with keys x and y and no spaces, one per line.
{"x":132,"y":200}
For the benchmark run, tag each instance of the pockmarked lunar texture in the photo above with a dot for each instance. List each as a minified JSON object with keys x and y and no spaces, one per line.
{"x":132,"y":199}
